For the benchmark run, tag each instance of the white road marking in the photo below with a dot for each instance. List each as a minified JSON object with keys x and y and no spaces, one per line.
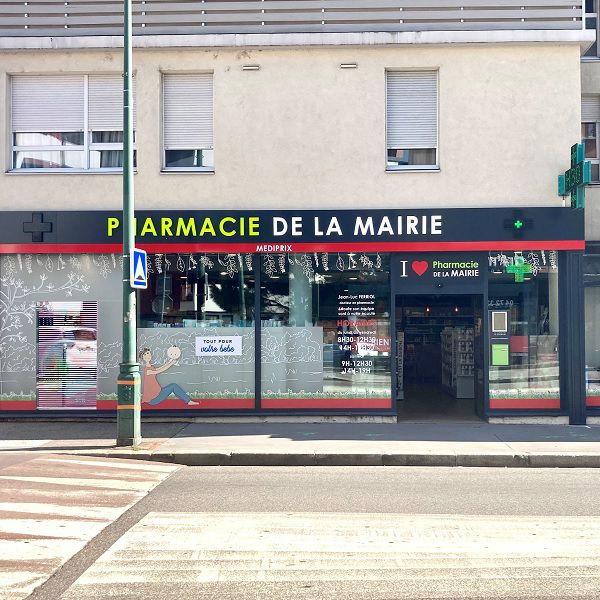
{"x":141,"y":465}
{"x":317,"y":548}
{"x":43,"y":524}
{"x":100,"y":482}
{"x":20,"y":444}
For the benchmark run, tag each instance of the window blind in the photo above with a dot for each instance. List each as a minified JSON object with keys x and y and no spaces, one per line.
{"x":47,"y":103}
{"x":105,"y":102}
{"x":412,"y":115}
{"x":188,"y":111}
{"x":590,"y":108}
{"x":67,"y":357}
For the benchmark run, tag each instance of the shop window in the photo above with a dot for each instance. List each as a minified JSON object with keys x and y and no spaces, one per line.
{"x":523,"y":324}
{"x":592,"y":329}
{"x":197,"y":322}
{"x":412,"y":119}
{"x":325,"y":331}
{"x":67,"y":122}
{"x":188,"y":122}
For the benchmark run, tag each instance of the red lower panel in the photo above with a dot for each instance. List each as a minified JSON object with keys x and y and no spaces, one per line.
{"x":176,"y":404}
{"x":592,"y":401}
{"x":524,"y":403}
{"x":326,"y":403}
{"x":18,"y":405}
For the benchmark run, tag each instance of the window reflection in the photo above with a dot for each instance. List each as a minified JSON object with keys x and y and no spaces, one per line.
{"x":325,"y":327}
{"x":524,"y":361}
{"x":198,"y":290}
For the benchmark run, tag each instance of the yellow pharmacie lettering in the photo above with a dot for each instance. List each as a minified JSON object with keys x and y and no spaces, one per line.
{"x":186,"y":230}
{"x":182,"y":227}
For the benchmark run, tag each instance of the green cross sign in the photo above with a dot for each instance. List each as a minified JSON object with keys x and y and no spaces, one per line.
{"x":518,"y":224}
{"x":519,"y":269}
{"x":574,"y":179}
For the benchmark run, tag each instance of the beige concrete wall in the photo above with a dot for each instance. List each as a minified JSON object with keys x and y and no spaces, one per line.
{"x":303,"y":133}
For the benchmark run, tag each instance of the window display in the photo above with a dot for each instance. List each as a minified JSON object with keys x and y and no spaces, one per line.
{"x":325,"y":330}
{"x":523,"y":317}
{"x":199,"y":308}
{"x":591,"y":265}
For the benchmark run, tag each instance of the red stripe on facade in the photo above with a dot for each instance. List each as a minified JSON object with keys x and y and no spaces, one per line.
{"x":18,"y":405}
{"x":592,"y":401}
{"x":273,"y":403}
{"x":356,"y":246}
{"x":524,"y":403}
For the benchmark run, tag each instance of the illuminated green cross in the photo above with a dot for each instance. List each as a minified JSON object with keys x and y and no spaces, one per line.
{"x":519,"y":269}
{"x":518,"y":223}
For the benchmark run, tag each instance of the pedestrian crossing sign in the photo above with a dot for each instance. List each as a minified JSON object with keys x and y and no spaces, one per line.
{"x":138,"y":269}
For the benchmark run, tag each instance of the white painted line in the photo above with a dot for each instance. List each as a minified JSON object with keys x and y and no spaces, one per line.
{"x":113,"y":484}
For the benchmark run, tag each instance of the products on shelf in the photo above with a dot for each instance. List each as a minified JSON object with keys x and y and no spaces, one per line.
{"x":458,"y":366}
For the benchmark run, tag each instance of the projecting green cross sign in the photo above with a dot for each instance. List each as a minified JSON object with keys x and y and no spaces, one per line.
{"x":574,"y":180}
{"x":519,"y":269}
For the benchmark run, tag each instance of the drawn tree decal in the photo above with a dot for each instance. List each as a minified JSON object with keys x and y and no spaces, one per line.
{"x":18,"y":300}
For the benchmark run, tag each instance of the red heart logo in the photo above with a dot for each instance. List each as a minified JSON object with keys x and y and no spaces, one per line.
{"x":420,"y":266}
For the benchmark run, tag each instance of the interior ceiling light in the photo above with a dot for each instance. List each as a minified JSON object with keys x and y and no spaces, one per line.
{"x":250,"y":67}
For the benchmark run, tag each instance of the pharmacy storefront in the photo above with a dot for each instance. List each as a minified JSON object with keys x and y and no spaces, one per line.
{"x":313,"y":312}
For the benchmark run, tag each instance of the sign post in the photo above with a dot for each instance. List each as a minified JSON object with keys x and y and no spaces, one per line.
{"x":574,"y":180}
{"x":128,"y":383}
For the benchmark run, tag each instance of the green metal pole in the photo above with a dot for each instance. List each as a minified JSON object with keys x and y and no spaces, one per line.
{"x":128,"y":384}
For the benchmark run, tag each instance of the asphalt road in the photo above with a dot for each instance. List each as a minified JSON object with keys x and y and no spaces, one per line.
{"x":396,"y":533}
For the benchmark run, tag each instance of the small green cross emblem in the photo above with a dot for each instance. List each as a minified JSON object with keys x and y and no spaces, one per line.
{"x":519,"y":269}
{"x":518,"y":224}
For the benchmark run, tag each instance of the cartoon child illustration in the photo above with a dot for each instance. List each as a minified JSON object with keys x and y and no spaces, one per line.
{"x":153,"y":393}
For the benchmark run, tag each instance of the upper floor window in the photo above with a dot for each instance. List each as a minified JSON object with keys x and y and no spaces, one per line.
{"x":188,"y":122}
{"x":591,"y":22}
{"x":412,"y":119}
{"x":67,"y":122}
{"x":590,"y":127}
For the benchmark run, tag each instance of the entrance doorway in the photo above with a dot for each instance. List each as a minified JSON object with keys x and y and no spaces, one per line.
{"x":439,"y":356}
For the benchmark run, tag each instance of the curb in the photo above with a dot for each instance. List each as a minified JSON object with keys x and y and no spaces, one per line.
{"x":270,"y":459}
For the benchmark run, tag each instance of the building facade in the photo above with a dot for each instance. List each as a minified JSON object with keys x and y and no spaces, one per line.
{"x":347,"y":209}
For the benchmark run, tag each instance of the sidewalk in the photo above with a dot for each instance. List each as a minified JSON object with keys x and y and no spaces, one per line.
{"x":473,"y":444}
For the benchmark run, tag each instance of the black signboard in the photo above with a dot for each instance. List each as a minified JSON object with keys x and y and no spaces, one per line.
{"x":289,"y":231}
{"x":438,"y":272}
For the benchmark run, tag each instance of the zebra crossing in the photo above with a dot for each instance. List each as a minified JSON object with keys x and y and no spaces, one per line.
{"x":52,"y":505}
{"x":333,"y":555}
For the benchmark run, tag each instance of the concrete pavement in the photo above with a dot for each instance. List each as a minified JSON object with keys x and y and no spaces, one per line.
{"x":467,"y":444}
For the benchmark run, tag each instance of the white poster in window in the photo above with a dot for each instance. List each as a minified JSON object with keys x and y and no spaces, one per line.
{"x":499,"y":321}
{"x":219,"y":346}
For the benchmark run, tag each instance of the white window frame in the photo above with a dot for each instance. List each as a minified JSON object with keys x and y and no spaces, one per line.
{"x":164,"y":149}
{"x":87,"y":147}
{"x":414,"y":168}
